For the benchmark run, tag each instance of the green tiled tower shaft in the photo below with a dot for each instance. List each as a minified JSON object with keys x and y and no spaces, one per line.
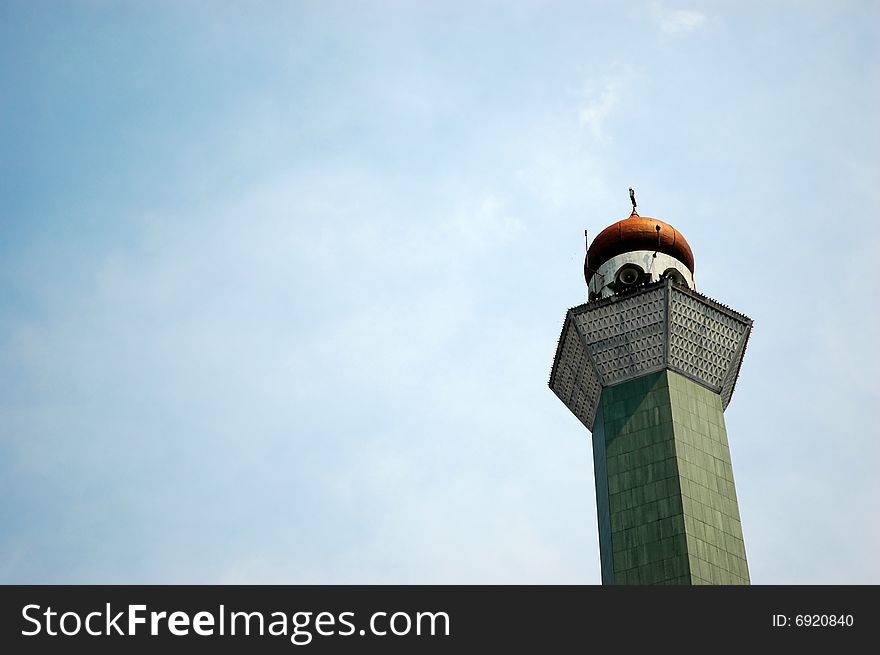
{"x":664,"y":485}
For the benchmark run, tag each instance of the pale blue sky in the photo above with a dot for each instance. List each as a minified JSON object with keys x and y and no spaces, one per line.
{"x":281,"y":283}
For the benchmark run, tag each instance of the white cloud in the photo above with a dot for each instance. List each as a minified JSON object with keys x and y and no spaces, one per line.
{"x":677,"y":22}
{"x":484,"y":222}
{"x":597,"y":108}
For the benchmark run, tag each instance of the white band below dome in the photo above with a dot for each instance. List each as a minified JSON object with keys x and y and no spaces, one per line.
{"x":652,"y":264}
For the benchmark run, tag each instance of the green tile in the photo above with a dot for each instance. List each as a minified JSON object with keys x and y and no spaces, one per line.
{"x":670,"y":484}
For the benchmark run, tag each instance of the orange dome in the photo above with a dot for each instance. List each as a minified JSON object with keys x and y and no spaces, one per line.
{"x":637,"y":233}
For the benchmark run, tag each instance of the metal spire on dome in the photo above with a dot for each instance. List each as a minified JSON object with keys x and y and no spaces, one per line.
{"x":632,"y":199}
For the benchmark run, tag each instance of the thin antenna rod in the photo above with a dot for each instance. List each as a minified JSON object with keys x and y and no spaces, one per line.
{"x":587,"y":259}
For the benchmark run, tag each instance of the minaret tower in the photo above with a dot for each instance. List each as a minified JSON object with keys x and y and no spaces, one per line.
{"x":648,"y":365}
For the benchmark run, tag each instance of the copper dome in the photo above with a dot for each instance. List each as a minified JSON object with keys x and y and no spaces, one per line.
{"x":637,"y":233}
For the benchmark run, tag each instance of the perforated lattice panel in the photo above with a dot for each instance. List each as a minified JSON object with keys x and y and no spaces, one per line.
{"x":733,"y":372}
{"x":703,"y":340}
{"x":625,"y":338}
{"x":616,"y":339}
{"x":573,"y":378}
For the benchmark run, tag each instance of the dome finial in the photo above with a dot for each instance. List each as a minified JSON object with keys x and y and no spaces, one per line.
{"x":632,"y":199}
